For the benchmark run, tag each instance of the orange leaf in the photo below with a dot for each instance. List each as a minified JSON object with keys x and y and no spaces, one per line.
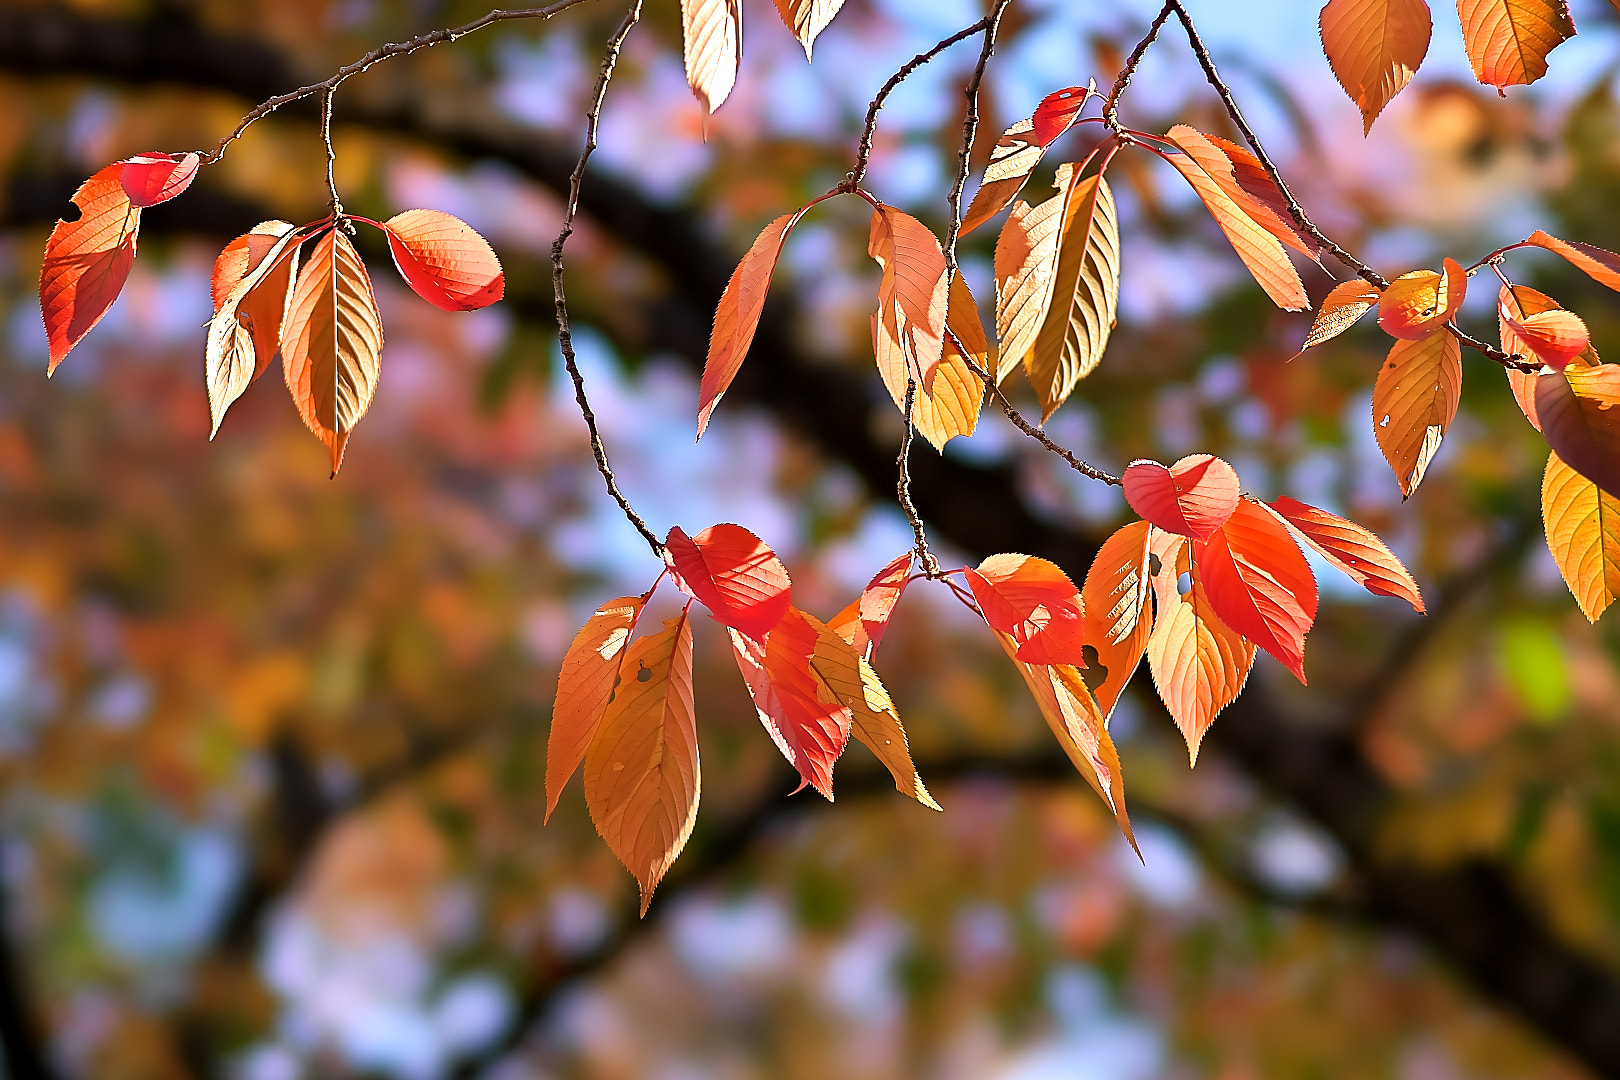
{"x":732,"y":573}
{"x":1032,"y":601}
{"x":912,"y":297}
{"x":1508,"y":40}
{"x":1580,"y":421}
{"x":1600,"y":264}
{"x":1018,"y":151}
{"x":737,"y":317}
{"x":1347,"y":302}
{"x":586,"y":685}
{"x":331,"y":342}
{"x":952,"y":408}
{"x":877,"y":600}
{"x":1072,"y":714}
{"x":245,"y":332}
{"x":712,"y":33}
{"x":1199,"y":664}
{"x":807,"y":18}
{"x":807,"y":723}
{"x":1554,"y":337}
{"x":1529,"y":302}
{"x":1417,"y":304}
{"x":87,"y":261}
{"x":444,"y":260}
{"x":1246,"y":182}
{"x":641,"y":769}
{"x":1358,"y":552}
{"x":1085,"y":295}
{"x":1583,"y":534}
{"x":149,"y":179}
{"x":1375,"y":47}
{"x":1259,"y":582}
{"x":1260,"y":251}
{"x":1414,"y":400}
{"x":1116,"y":612}
{"x":1192,"y":497}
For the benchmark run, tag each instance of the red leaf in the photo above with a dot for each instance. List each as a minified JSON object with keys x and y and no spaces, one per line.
{"x":1580,"y":420}
{"x":737,"y":317}
{"x":444,"y":260}
{"x":1528,"y":301}
{"x":1056,"y":113}
{"x":1017,"y":153}
{"x":1032,"y":601}
{"x":1358,"y":552}
{"x":87,"y":261}
{"x":805,"y":720}
{"x":149,"y":179}
{"x":731,"y":571}
{"x":1192,"y":497}
{"x":879,"y":598}
{"x":1259,"y":583}
{"x":1553,"y":336}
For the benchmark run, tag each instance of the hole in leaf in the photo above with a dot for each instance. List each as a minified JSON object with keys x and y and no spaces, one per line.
{"x":644,"y":674}
{"x":1184,"y":583}
{"x":1094,"y":673}
{"x":72,"y":213}
{"x":1155,"y":564}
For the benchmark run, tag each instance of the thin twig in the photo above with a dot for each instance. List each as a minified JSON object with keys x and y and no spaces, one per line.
{"x":863,"y":153}
{"x":331,"y":155}
{"x":970,"y":128}
{"x":380,"y":53}
{"x":1508,"y":360}
{"x":565,"y":338}
{"x":1084,"y":468}
{"x":1110,"y":113}
{"x":930,"y":564}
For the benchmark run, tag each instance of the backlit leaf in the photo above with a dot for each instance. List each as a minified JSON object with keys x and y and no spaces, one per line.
{"x":1199,"y":664}
{"x":1583,"y":533}
{"x":1240,"y":174}
{"x":331,"y":342}
{"x":1034,"y":603}
{"x":1419,"y":303}
{"x":149,"y":179}
{"x":1414,"y":400}
{"x":444,"y":260}
{"x":737,"y":317}
{"x":952,"y":408}
{"x":1117,"y":611}
{"x":1554,"y":336}
{"x":1356,"y":551}
{"x":807,"y":18}
{"x":1026,"y":263}
{"x":1085,"y":296}
{"x":1579,"y":409}
{"x":1192,"y":497}
{"x":245,"y":332}
{"x":912,"y":297}
{"x":732,"y":573}
{"x":807,"y":723}
{"x":1508,"y":40}
{"x":586,"y":684}
{"x":1018,"y":151}
{"x":642,"y":776}
{"x":1375,"y":47}
{"x":87,"y":261}
{"x":1259,"y":583}
{"x":1260,"y":251}
{"x":1347,"y":302}
{"x":877,"y":600}
{"x":1600,"y":264}
{"x":1523,"y":383}
{"x":712,"y":33}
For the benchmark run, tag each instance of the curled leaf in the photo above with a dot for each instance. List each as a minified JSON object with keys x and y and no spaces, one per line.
{"x":807,"y":723}
{"x":1018,"y":151}
{"x":1117,"y":611}
{"x":244,"y":335}
{"x":1419,"y":303}
{"x":912,"y":297}
{"x":149,"y":179}
{"x":1259,"y":583}
{"x":1579,"y":409}
{"x":1033,"y":602}
{"x":1600,"y":264}
{"x":1529,"y":302}
{"x":1193,"y":497}
{"x":1084,"y":295}
{"x":444,"y":260}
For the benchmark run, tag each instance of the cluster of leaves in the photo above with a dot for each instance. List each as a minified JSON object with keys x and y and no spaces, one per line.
{"x":321,"y":318}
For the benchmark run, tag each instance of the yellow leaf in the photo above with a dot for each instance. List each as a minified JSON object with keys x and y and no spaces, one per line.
{"x":712,"y":32}
{"x":1085,"y":296}
{"x":246,"y":328}
{"x":1583,"y":534}
{"x":807,"y":18}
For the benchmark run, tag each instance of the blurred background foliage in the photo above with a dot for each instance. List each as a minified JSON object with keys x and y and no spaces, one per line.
{"x":271,"y":745}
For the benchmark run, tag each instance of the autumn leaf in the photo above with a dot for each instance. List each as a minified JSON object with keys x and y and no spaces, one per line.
{"x":1531,"y":302}
{"x":1085,"y":296}
{"x":1259,"y":583}
{"x":149,"y":179}
{"x":444,"y":260}
{"x":732,"y":573}
{"x":807,"y":18}
{"x":641,"y":770}
{"x":1419,"y":303}
{"x":877,"y":601}
{"x":1260,"y":251}
{"x":1347,"y":302}
{"x":1583,"y":534}
{"x":1246,"y":182}
{"x":912,"y":297}
{"x":1025,"y":266}
{"x":1018,"y":151}
{"x":1354,"y":550}
{"x":875,"y":723}
{"x":1033,"y":602}
{"x":1374,"y":48}
{"x":1116,"y":611}
{"x":1580,"y":421}
{"x":1414,"y":400}
{"x":1199,"y":664}
{"x":331,"y":342}
{"x":1508,"y":40}
{"x":1552,"y":336}
{"x":586,"y":685}
{"x":952,"y":408}
{"x":1193,"y":497}
{"x":87,"y":261}
{"x":1075,"y":719}
{"x":737,"y":317}
{"x":1600,"y":264}
{"x":807,"y":723}
{"x":712,"y":32}
{"x":245,"y":332}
